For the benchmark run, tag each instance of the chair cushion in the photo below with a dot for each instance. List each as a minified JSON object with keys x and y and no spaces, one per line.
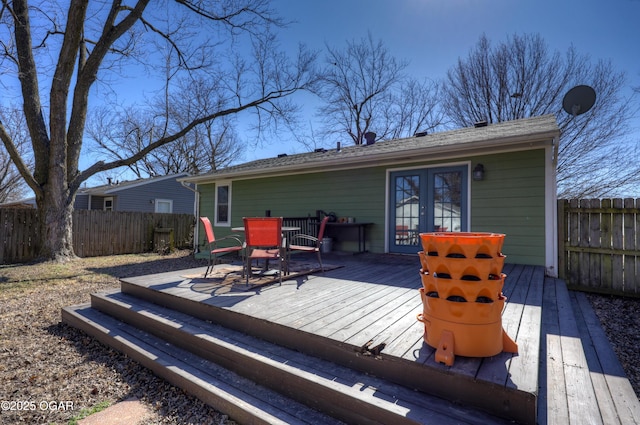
{"x":303,"y":248}
{"x":265,"y":253}
{"x":226,"y":249}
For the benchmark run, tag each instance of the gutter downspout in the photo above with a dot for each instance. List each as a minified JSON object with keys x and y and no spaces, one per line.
{"x":196,"y":213}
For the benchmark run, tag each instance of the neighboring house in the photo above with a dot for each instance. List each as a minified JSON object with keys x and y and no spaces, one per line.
{"x":407,"y":186}
{"x":24,"y":203}
{"x":156,"y":194}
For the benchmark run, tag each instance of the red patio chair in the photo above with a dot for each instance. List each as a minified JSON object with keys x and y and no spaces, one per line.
{"x":263,"y":241}
{"x":316,"y":245}
{"x":212,"y":243}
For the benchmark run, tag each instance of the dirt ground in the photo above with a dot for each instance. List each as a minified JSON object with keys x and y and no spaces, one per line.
{"x":51,"y":373}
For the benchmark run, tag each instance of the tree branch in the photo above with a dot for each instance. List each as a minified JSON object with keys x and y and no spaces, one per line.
{"x":15,"y":156}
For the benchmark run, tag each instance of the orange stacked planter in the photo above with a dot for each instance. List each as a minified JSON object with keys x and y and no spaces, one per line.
{"x":462,"y":296}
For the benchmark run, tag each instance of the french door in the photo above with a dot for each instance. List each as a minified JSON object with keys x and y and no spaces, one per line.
{"x":426,"y":200}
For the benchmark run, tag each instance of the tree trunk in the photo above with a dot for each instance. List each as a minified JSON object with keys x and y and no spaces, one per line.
{"x":56,"y":227}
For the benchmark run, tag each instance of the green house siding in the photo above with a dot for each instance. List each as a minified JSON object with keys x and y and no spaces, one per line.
{"x":509,"y":200}
{"x":347,"y":193}
{"x":207,"y":205}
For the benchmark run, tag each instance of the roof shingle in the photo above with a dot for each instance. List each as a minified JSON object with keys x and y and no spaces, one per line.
{"x":518,"y":133}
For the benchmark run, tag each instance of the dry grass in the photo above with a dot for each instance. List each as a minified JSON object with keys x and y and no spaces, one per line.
{"x":42,"y":360}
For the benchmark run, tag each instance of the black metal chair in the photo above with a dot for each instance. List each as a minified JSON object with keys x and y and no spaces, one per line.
{"x":314,"y":246}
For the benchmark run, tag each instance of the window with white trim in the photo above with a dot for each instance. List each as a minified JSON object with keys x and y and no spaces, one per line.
{"x":164,"y":206}
{"x":223,"y":204}
{"x":108,"y":203}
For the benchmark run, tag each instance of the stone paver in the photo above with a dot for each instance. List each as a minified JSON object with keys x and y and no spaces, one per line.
{"x":127,"y":412}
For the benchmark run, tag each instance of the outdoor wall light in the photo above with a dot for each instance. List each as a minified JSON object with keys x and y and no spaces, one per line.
{"x":478,"y":172}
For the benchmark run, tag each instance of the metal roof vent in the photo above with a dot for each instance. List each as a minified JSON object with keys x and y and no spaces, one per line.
{"x":420,"y":134}
{"x":478,"y":124}
{"x":370,"y":137}
{"x":282,"y":155}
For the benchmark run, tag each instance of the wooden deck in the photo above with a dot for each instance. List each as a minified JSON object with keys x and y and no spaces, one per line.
{"x":363,"y":315}
{"x":346,"y":314}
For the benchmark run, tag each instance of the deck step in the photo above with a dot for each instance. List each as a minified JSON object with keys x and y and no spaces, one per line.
{"x":225,"y":391}
{"x":336,"y":391}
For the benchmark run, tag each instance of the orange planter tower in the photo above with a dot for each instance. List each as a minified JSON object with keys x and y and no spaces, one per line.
{"x":462,"y":296}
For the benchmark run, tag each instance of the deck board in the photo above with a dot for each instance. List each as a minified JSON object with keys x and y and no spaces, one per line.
{"x":553,"y":408}
{"x":521,"y":375}
{"x":338,"y":307}
{"x":615,"y":395}
{"x":391,"y":326}
{"x":606,"y":404}
{"x":303,"y":305}
{"x":517,"y":288}
{"x":581,"y":399}
{"x":375,"y":315}
{"x":353,"y":311}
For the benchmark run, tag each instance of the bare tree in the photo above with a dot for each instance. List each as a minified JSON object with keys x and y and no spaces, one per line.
{"x":354,"y":84}
{"x":208,"y":146}
{"x":520,"y":78}
{"x":61,"y":49}
{"x":12,"y":186}
{"x":11,"y":182}
{"x":415,"y":109}
{"x":365,"y":90}
{"x":118,"y":133}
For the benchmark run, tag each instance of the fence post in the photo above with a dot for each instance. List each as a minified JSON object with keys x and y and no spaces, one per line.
{"x":562,"y":237}
{"x":631,"y":283}
{"x":606,"y":242}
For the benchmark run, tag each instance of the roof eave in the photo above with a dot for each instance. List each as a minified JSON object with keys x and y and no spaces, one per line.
{"x":521,"y":142}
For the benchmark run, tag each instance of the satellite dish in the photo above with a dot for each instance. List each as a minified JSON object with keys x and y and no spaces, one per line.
{"x":579,"y":100}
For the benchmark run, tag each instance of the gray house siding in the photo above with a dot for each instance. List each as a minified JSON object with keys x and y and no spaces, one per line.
{"x":90,"y":202}
{"x":139,"y":196}
{"x":82,"y":202}
{"x":143,"y":197}
{"x":97,"y":202}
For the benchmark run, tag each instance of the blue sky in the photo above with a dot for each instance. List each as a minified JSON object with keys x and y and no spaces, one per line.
{"x":432,"y":34}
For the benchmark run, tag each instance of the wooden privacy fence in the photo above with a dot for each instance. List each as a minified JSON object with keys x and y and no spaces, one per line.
{"x":599,"y":244}
{"x":95,"y":232}
{"x":18,"y":235}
